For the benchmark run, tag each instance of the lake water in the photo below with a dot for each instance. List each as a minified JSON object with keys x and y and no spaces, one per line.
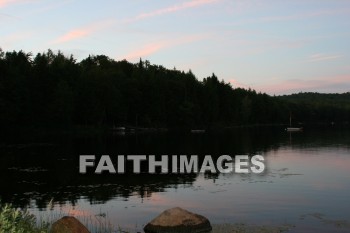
{"x":306,"y":184}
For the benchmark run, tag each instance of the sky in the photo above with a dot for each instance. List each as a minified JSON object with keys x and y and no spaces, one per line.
{"x":273,"y":46}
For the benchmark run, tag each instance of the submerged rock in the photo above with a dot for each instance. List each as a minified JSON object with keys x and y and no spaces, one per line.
{"x":178,"y":220}
{"x":68,"y":224}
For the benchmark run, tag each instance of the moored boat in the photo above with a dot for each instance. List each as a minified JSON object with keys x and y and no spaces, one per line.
{"x":294,"y":129}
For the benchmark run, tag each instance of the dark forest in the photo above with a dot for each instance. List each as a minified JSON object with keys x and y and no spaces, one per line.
{"x":51,"y":90}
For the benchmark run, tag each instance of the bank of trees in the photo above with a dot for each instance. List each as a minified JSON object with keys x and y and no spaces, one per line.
{"x":319,"y":108}
{"x":52,"y":90}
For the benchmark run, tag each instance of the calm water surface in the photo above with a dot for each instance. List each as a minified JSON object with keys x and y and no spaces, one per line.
{"x":306,"y":183}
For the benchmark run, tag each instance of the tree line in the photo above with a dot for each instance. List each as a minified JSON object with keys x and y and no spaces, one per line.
{"x":54,"y":90}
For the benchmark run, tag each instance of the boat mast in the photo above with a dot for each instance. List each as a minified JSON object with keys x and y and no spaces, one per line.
{"x":290,"y":119}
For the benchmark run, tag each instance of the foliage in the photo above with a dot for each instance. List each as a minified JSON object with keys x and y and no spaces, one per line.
{"x":16,"y":221}
{"x":316,"y":107}
{"x":53,"y":90}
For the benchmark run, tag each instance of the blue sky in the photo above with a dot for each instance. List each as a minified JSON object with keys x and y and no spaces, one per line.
{"x":272,"y":46}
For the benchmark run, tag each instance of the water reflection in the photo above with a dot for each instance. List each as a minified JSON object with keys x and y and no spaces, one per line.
{"x":307,"y":173}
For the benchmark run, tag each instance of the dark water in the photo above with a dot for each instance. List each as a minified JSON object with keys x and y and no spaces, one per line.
{"x":306,"y":184}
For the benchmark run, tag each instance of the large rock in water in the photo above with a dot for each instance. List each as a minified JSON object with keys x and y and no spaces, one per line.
{"x":68,"y":224}
{"x":178,"y":220}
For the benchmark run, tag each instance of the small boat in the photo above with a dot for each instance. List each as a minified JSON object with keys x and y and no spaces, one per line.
{"x":197,"y":130}
{"x":119,"y":129}
{"x":293,"y":129}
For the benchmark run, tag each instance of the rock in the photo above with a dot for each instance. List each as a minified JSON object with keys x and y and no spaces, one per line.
{"x":178,"y":220}
{"x":68,"y":224}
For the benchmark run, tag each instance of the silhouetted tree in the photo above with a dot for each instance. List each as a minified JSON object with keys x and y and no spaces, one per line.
{"x":54,"y":90}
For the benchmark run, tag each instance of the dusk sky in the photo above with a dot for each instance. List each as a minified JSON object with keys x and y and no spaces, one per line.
{"x":272,"y":46}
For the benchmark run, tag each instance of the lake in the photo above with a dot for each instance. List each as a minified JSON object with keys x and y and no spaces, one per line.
{"x":306,"y":184}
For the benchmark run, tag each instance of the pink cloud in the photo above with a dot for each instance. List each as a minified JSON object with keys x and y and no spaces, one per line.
{"x":82,"y":32}
{"x":155,"y":47}
{"x":340,"y":83}
{"x":74,"y":34}
{"x":5,"y":3}
{"x":236,"y":84}
{"x":172,"y":9}
{"x":90,"y":29}
{"x":145,"y":51}
{"x":322,"y":57}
